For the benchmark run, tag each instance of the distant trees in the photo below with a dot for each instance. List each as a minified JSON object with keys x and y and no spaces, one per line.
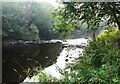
{"x":26,"y":20}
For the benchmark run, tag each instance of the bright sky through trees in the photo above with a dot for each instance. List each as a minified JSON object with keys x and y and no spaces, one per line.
{"x":53,"y":2}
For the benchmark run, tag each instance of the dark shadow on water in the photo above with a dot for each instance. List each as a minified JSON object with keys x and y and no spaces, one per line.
{"x":16,"y":59}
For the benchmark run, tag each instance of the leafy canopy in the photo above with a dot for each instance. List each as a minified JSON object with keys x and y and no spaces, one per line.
{"x":71,"y":15}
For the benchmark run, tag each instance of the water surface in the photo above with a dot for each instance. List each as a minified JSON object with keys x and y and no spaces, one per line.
{"x":17,"y":58}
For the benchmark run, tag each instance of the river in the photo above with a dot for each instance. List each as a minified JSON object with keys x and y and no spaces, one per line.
{"x":19,"y":56}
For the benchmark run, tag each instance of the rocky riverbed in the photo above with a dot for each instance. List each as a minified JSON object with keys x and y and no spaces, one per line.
{"x":72,"y":51}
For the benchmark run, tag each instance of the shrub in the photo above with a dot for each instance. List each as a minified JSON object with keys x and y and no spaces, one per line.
{"x":100,"y":64}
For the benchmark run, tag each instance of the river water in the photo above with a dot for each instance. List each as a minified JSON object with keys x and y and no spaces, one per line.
{"x":18,"y":58}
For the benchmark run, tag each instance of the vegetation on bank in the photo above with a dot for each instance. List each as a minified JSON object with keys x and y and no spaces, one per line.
{"x":100,"y":63}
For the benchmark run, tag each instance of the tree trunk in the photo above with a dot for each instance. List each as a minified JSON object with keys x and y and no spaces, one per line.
{"x":118,"y":24}
{"x":93,"y":36}
{"x":118,"y":42}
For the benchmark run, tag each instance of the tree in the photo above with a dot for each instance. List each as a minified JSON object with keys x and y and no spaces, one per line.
{"x":71,"y":14}
{"x":19,"y":17}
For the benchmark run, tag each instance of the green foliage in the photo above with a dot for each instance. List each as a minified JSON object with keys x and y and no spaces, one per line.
{"x":74,"y":14}
{"x":37,"y":72}
{"x":100,"y":64}
{"x":40,"y":16}
{"x":42,"y":77}
{"x":26,"y":21}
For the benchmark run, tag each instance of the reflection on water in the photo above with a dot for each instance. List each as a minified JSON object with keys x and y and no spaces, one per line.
{"x":18,"y":58}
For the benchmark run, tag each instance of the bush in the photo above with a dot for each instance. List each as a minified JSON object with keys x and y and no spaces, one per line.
{"x":100,"y":64}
